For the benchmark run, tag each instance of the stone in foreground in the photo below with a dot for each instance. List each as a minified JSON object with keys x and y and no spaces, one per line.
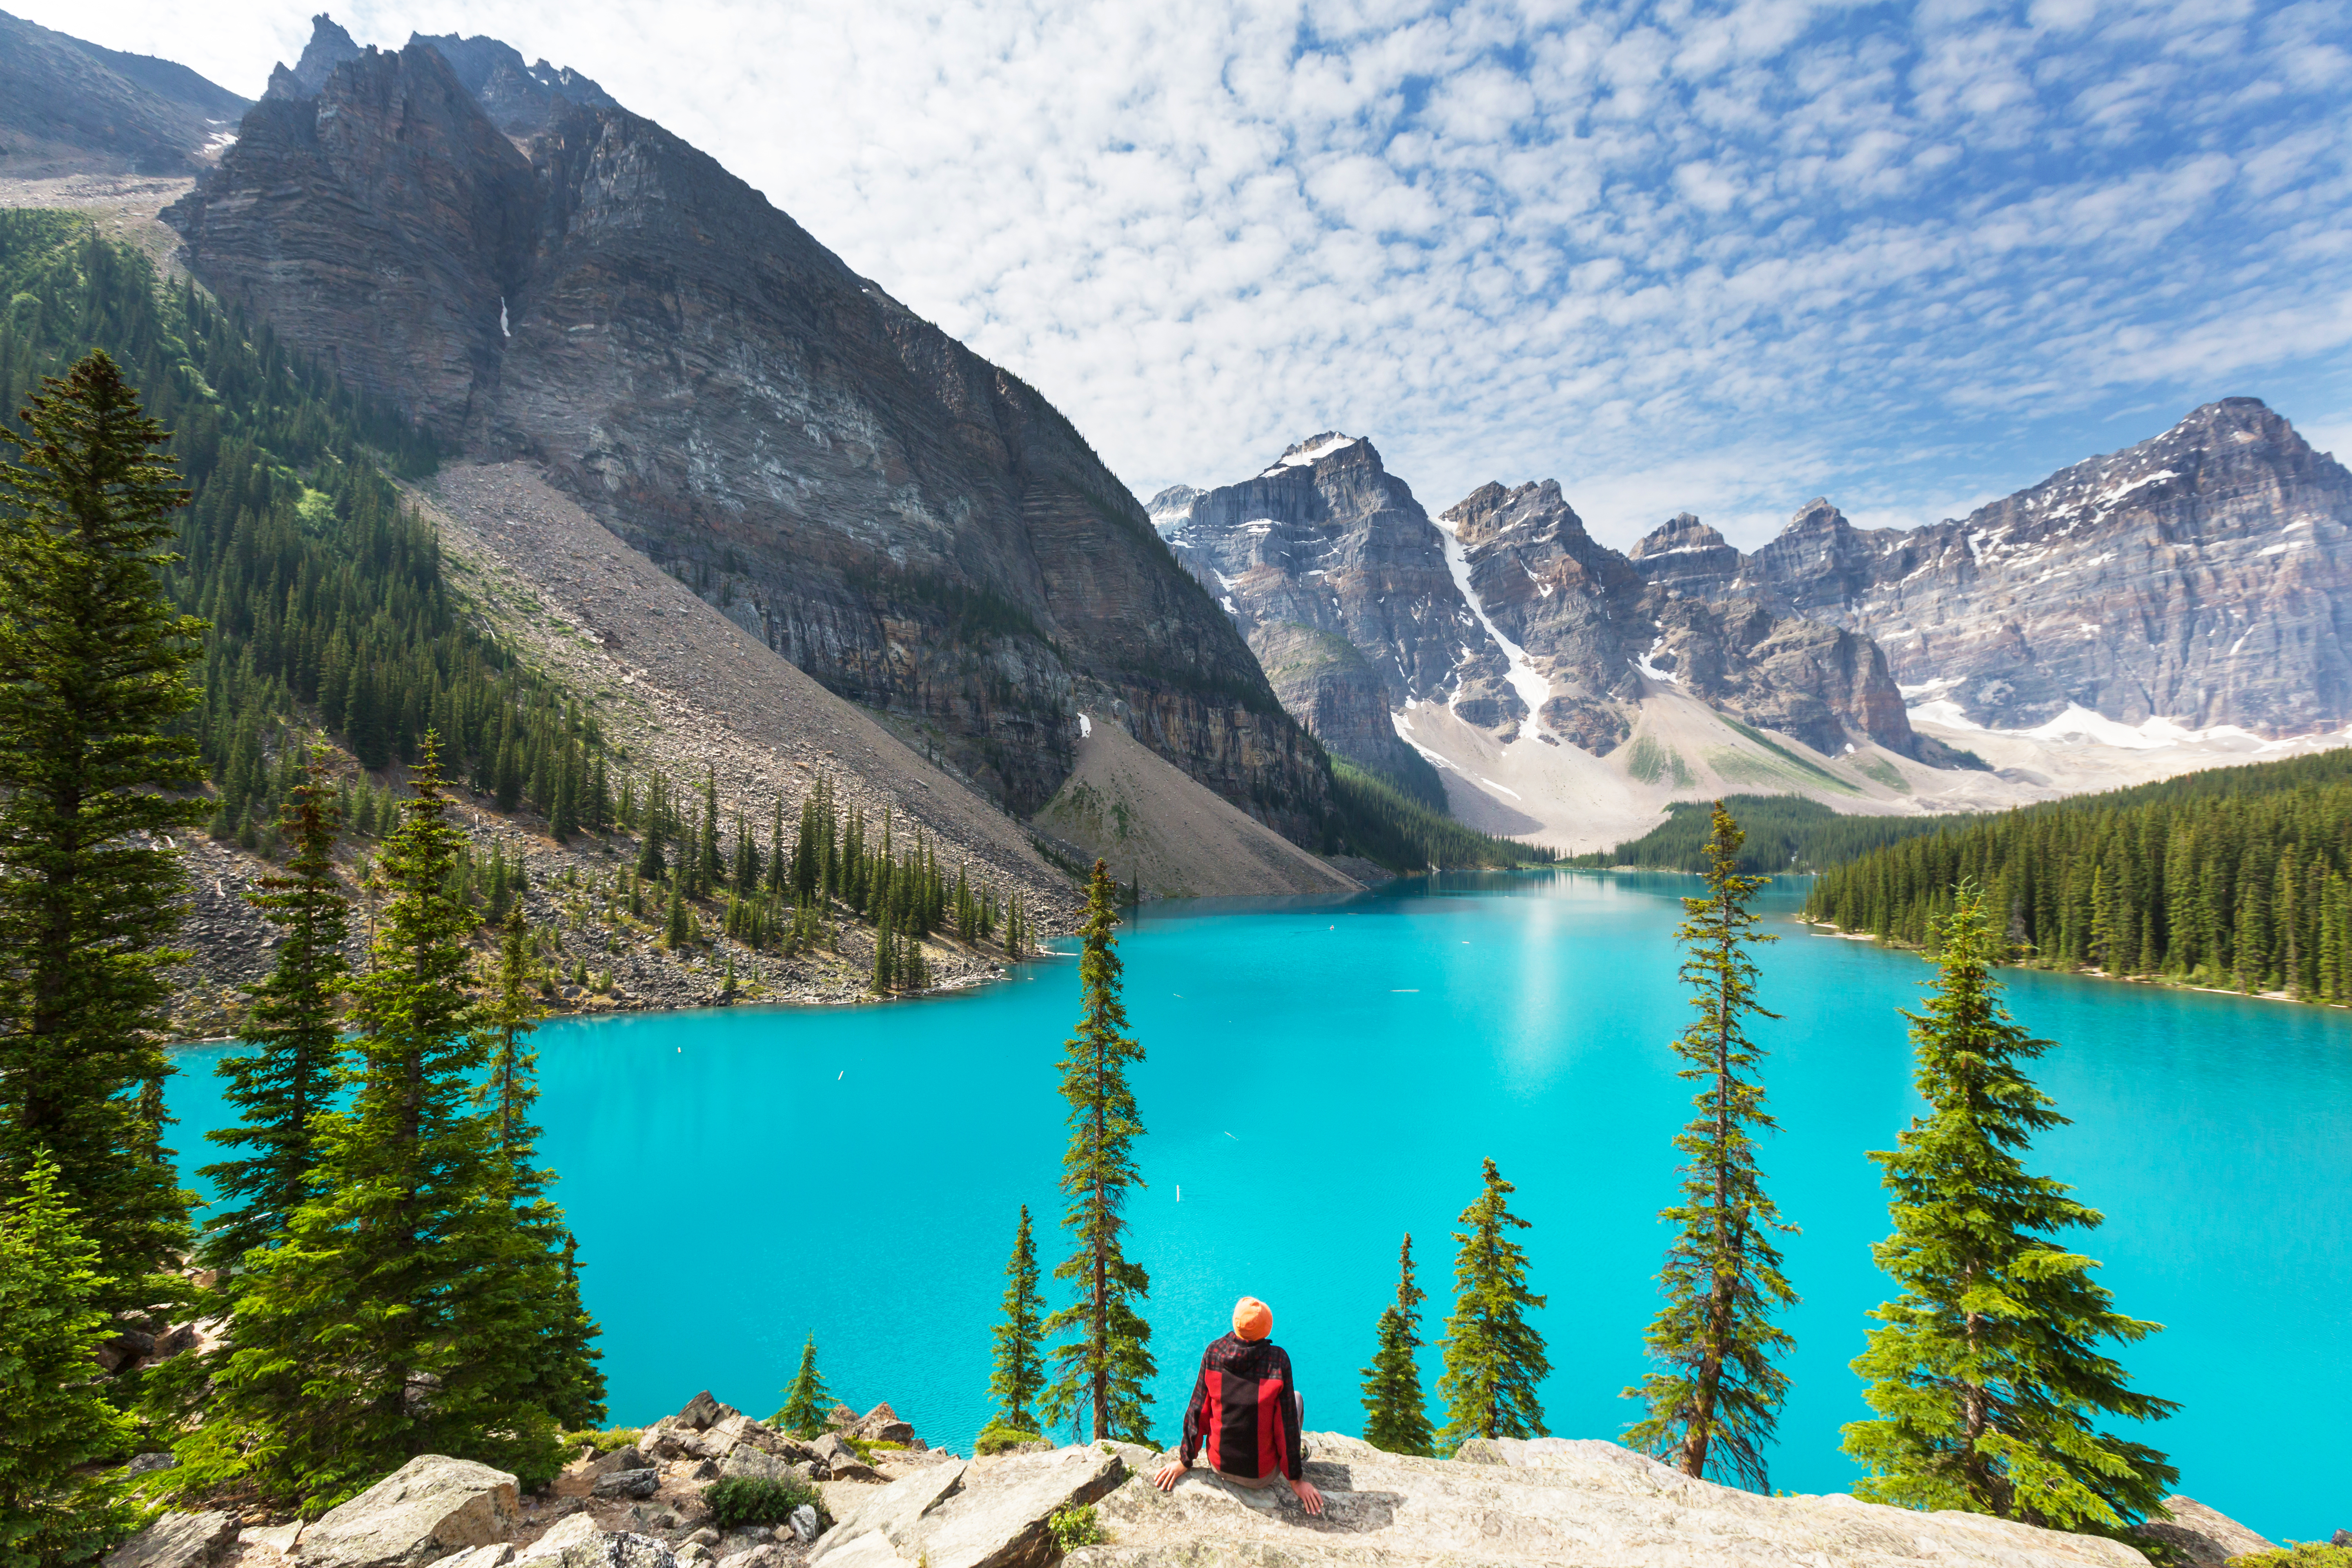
{"x":1547,"y":1500}
{"x":429,"y":1507}
{"x":178,"y":1541}
{"x":2205,"y":1538}
{"x":988,"y":1513}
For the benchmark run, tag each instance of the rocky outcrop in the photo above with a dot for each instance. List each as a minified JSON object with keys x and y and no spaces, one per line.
{"x":1329,"y":686}
{"x":178,"y":1541}
{"x":2204,"y":1537}
{"x":986,"y":1513}
{"x":429,"y":1507}
{"x":907,"y":522}
{"x":69,"y":107}
{"x":1549,"y":1500}
{"x":2203,"y":576}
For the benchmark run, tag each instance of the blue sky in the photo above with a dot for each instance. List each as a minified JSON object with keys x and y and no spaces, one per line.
{"x":1714,"y":258}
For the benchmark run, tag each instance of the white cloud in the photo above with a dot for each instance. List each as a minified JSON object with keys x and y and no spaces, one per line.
{"x":1721,"y":256}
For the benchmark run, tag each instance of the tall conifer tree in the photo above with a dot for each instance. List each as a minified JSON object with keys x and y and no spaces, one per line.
{"x":93,"y":675}
{"x":1985,"y":1376}
{"x":362,"y":1336}
{"x":1494,"y":1356}
{"x":1713,"y":1402}
{"x":55,"y":1510}
{"x":525,"y":1294}
{"x":290,"y":1073}
{"x":1103,"y":1374}
{"x":1019,"y":1376}
{"x":1396,"y":1416}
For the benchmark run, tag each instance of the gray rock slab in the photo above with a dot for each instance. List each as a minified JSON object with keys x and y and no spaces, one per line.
{"x":497,"y":1554}
{"x":628,"y":1459}
{"x":618,"y":1549}
{"x":2205,"y":1537}
{"x":279,"y":1537}
{"x":642,"y":1483}
{"x":1550,"y":1501}
{"x":983,"y":1517}
{"x":699,"y":1413}
{"x":429,"y":1507}
{"x":569,"y":1530}
{"x":178,"y":1541}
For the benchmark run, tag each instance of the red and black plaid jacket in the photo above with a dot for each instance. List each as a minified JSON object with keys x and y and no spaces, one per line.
{"x":1244,"y":1418}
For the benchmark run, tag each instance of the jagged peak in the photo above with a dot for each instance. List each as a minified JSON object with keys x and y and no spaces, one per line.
{"x":484,"y":64}
{"x":1817,"y":515}
{"x":1683,"y":530}
{"x":1536,"y":497}
{"x":1314,"y":449}
{"x":329,"y":46}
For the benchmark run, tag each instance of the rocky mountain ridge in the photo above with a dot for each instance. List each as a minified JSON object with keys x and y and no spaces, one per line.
{"x":1505,"y":614}
{"x":67,"y":106}
{"x":908,"y":523}
{"x":2198,"y":579}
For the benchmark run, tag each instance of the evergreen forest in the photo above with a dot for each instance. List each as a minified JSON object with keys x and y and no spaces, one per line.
{"x":1784,"y":833}
{"x":2233,"y":876}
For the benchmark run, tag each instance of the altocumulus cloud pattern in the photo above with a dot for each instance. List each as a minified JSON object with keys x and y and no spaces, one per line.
{"x":1704,"y":256}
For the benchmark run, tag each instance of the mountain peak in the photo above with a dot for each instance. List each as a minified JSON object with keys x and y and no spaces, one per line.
{"x":329,"y":46}
{"x":1314,"y":449}
{"x":1681,"y":532}
{"x":520,"y":98}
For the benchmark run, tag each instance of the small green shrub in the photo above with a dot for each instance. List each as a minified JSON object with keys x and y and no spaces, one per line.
{"x":606,"y":1442}
{"x":738,"y":1501}
{"x":998,"y":1436}
{"x":1075,"y":1527}
{"x":2297,"y":1554}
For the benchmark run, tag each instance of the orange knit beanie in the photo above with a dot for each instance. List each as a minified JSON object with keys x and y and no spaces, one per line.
{"x":1253,"y":1319}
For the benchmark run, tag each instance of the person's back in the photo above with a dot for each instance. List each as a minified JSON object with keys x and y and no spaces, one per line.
{"x":1242,"y":1420}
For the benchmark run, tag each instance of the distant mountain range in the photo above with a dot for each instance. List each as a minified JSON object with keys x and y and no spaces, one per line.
{"x":2198,"y":581}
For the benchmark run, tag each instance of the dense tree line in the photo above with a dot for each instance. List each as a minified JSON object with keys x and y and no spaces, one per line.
{"x":324,"y":594}
{"x":1376,"y":821}
{"x":1783,"y":833}
{"x":2234,"y":877}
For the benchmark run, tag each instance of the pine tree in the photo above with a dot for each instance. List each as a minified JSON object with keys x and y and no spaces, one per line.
{"x":1494,"y":1358}
{"x":93,"y":680}
{"x":289,"y":1074}
{"x":1985,"y":1378}
{"x":1396,"y":1416}
{"x":1714,"y":1402}
{"x":53,"y":1509}
{"x":1020,"y":1371}
{"x":1105,"y":1372}
{"x":368,"y":1333}
{"x":678,"y":928}
{"x":807,"y":1400}
{"x":711,"y":868}
{"x":529,"y":1299}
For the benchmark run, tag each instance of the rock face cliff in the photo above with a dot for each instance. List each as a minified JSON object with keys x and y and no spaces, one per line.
{"x":553,"y":279}
{"x":1505,"y":611}
{"x":70,"y":107}
{"x":2201,"y":577}
{"x":1336,"y":576}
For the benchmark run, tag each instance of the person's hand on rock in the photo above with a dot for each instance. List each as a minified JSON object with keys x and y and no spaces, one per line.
{"x":1169,"y":1474}
{"x":1308,"y":1498}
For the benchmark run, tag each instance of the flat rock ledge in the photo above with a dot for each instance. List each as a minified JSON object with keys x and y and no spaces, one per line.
{"x":1546,"y":1500}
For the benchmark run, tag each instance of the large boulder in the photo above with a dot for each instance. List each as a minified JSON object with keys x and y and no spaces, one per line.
{"x":1546,"y":1500}
{"x":617,"y":1549}
{"x":627,"y":1459}
{"x":642,"y":1483}
{"x":569,"y":1530}
{"x":178,"y":1541}
{"x":881,"y":1424}
{"x":430,"y":1507}
{"x":2204,"y":1537}
{"x":986,"y":1514}
{"x":699,"y":1411}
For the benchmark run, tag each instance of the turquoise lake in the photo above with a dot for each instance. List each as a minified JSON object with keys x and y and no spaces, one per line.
{"x":1325,"y":1077}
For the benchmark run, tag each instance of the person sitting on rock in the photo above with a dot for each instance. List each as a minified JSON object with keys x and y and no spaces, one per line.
{"x":1244,"y":1418}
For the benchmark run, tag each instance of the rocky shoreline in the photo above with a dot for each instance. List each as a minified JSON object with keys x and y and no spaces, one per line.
{"x":869,"y":1493}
